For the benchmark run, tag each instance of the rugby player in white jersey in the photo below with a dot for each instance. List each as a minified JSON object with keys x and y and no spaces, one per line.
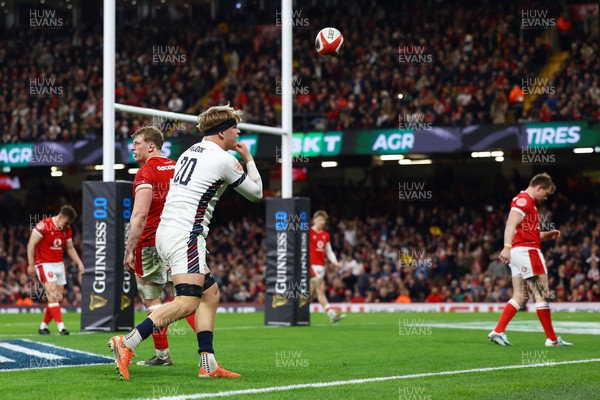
{"x":202,"y":174}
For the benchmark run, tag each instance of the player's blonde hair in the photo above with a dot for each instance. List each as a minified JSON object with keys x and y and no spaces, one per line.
{"x":150,"y":134}
{"x":216,"y":115}
{"x":321,"y":213}
{"x":544,"y":180}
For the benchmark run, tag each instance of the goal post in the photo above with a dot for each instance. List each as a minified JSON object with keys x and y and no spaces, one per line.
{"x":108,"y":174}
{"x":287,"y":219}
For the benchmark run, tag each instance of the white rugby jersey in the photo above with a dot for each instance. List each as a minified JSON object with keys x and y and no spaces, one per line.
{"x":202,"y":174}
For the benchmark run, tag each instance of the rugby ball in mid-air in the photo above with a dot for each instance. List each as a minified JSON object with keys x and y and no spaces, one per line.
{"x":329,"y":42}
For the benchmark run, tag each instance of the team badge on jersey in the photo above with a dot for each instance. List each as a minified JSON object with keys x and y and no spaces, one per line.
{"x":521,"y":202}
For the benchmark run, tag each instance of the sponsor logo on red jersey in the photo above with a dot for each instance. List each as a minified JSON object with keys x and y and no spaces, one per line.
{"x":318,"y":243}
{"x":50,"y":248}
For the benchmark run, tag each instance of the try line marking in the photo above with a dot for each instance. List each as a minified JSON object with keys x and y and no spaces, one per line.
{"x":365,"y":380}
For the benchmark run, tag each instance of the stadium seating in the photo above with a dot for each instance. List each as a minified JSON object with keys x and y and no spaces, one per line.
{"x":414,"y":247}
{"x":470,"y":65}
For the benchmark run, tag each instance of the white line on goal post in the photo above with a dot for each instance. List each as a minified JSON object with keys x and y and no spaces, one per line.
{"x":366,"y":380}
{"x":108,"y":91}
{"x":193,"y":119}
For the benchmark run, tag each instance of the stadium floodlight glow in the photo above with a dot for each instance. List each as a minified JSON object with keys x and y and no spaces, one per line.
{"x":6,"y":169}
{"x":329,"y":164}
{"x":391,"y":157}
{"x":497,"y":154}
{"x":583,"y":150}
{"x":119,"y":166}
{"x":408,"y":161}
{"x":133,"y":171}
{"x":53,"y":168}
{"x":597,"y":149}
{"x":499,"y":158}
{"x":56,"y":174}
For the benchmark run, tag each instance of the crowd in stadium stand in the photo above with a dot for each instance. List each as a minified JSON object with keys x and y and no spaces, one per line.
{"x":444,"y":250}
{"x":474,"y":56}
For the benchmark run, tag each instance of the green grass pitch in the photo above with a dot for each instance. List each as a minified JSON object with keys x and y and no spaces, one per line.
{"x":362,"y":346}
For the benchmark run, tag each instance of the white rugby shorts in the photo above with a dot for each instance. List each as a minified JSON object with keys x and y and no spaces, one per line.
{"x":527,"y":262}
{"x":51,"y":272}
{"x":317,"y":271}
{"x":183,"y":252}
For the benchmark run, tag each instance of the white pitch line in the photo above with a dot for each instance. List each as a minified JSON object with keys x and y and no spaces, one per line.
{"x":30,"y":352}
{"x":6,"y":336}
{"x":71,"y":350}
{"x":54,"y":366}
{"x":365,"y":380}
{"x":576,"y":328}
{"x":5,"y":360}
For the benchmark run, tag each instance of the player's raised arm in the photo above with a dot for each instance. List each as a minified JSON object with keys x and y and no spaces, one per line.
{"x":252,"y":188}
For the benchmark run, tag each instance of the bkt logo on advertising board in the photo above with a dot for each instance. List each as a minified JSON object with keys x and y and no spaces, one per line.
{"x":285,"y":221}
{"x":24,"y":354}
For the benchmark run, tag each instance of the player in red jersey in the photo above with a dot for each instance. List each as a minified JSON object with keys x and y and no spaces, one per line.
{"x":45,"y":258}
{"x":150,"y":187}
{"x":522,"y":252}
{"x":320,"y":246}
